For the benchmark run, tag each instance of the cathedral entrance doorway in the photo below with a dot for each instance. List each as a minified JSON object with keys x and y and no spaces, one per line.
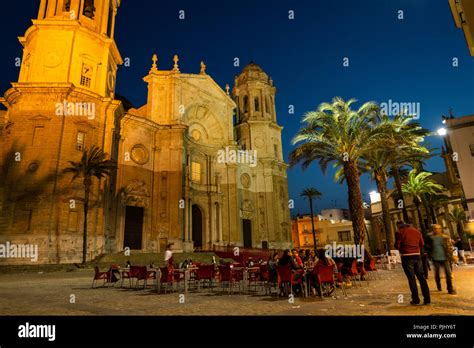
{"x":133,"y":228}
{"x":247,"y":228}
{"x":197,"y":226}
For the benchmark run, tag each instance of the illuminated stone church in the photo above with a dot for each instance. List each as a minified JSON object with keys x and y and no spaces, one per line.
{"x":172,"y":185}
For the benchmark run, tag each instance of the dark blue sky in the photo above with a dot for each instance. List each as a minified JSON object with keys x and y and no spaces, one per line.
{"x":407,"y":60}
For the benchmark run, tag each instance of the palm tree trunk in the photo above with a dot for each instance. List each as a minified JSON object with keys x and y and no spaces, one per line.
{"x":420,"y":216}
{"x":87,"y":188}
{"x":312,"y":222}
{"x":382,"y":187}
{"x":398,"y":184}
{"x":460,"y":229}
{"x":426,"y":206}
{"x":355,"y":201}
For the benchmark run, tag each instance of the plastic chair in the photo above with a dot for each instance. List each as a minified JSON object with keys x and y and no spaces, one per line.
{"x":105,"y":276}
{"x":205,"y":273}
{"x":145,"y":275}
{"x":167,"y":277}
{"x":130,"y":274}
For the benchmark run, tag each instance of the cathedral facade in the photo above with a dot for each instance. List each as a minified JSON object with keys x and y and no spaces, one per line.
{"x":198,"y":166}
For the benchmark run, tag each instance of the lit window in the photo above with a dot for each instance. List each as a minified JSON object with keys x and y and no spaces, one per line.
{"x":196,"y":172}
{"x":80,"y":141}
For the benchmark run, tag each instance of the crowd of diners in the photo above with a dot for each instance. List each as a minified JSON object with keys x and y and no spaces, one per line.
{"x":305,"y":264}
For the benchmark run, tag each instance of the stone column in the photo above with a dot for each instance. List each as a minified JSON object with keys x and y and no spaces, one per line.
{"x":51,"y":8}
{"x":190,"y":214}
{"x":219,"y":214}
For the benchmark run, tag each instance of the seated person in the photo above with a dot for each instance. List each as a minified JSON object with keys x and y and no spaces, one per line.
{"x":323,"y":260}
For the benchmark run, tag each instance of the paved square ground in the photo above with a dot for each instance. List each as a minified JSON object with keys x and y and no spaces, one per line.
{"x":50,"y":294}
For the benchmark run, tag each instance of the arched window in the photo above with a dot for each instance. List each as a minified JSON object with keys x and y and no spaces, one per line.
{"x":67,"y":5}
{"x":246,"y":104}
{"x":267,"y":105}
{"x":89,"y":9}
{"x":257,"y":105}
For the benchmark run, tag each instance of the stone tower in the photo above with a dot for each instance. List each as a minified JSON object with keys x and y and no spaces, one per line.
{"x":256,"y":129}
{"x":62,"y":103}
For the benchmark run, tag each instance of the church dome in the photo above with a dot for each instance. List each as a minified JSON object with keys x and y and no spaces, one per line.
{"x":252,"y":67}
{"x":252,"y":72}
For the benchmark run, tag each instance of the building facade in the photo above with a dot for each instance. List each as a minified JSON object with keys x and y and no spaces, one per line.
{"x":197,"y":165}
{"x":460,"y":153}
{"x":327,"y":231}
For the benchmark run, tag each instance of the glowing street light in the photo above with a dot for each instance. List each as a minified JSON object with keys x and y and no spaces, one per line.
{"x":374,"y":197}
{"x":442,"y":131}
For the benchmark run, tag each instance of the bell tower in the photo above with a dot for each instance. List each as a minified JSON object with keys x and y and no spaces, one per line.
{"x":72,"y":41}
{"x":257,"y":127}
{"x":62,"y":104}
{"x":257,"y":130}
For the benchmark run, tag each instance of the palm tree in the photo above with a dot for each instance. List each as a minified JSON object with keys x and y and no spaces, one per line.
{"x":94,"y":163}
{"x":378,"y":162}
{"x":417,"y":186}
{"x":458,"y":216}
{"x":335,"y":133}
{"x":403,"y":143}
{"x":311,"y":193}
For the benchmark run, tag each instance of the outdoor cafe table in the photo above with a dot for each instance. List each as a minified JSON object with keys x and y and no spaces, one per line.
{"x":127,"y":269}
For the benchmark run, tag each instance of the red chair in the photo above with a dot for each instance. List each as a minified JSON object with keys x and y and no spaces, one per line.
{"x":372,"y":269}
{"x":255,"y":277}
{"x":145,"y":275}
{"x":352,"y":272}
{"x":266,"y":278}
{"x":326,"y":279}
{"x":362,"y":272}
{"x":166,"y":277}
{"x":105,"y":276}
{"x":130,"y":274}
{"x":228,"y":275}
{"x":205,"y":273}
{"x":286,"y":277}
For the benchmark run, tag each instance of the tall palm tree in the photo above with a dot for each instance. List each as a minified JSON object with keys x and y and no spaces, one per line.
{"x":94,"y":163}
{"x":406,"y":136}
{"x":335,"y":133}
{"x":458,"y":216}
{"x":417,"y":186}
{"x":311,"y":193}
{"x":377,"y":162}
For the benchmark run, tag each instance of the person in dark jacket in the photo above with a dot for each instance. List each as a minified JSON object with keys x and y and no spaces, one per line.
{"x":409,"y":242}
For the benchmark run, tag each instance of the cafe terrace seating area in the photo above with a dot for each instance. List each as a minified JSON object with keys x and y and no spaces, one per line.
{"x":246,"y":274}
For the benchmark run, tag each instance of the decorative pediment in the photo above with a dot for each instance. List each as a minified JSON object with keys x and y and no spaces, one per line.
{"x":84,"y":124}
{"x":40,"y":118}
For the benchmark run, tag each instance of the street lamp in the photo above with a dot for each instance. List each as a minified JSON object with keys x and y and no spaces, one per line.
{"x":442,"y":131}
{"x":374,"y":197}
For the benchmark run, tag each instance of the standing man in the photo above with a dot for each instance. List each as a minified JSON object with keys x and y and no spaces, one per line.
{"x":442,"y":255}
{"x":410,"y":242}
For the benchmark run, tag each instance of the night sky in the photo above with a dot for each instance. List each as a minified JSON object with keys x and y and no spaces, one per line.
{"x":407,"y":60}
